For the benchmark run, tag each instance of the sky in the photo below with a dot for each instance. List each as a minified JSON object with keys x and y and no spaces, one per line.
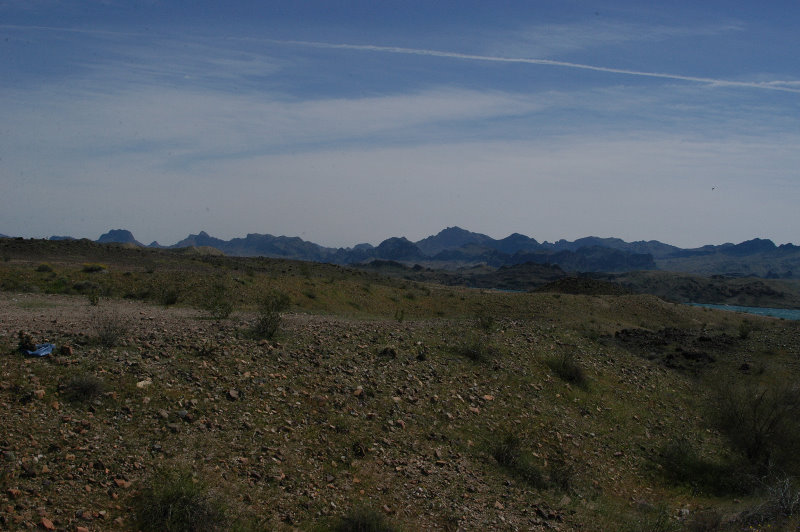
{"x":355,"y":121}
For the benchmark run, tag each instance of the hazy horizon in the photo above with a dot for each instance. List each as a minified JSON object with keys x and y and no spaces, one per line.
{"x":353,"y":244}
{"x":342,"y":125}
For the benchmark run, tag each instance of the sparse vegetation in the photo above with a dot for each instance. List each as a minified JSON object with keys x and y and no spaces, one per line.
{"x":93,"y":267}
{"x":363,"y":519}
{"x":681,"y":464}
{"x":175,"y":501}
{"x":745,"y":328}
{"x":761,"y":420}
{"x":268,"y":318}
{"x":217,"y":301}
{"x":167,"y":294}
{"x":508,"y":452}
{"x":366,"y":398}
{"x":475,"y":346}
{"x":83,"y":388}
{"x":567,"y":368}
{"x":110,"y":328}
{"x":485,"y":321}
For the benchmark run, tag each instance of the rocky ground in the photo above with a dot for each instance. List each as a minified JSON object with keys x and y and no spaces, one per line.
{"x":341,"y":412}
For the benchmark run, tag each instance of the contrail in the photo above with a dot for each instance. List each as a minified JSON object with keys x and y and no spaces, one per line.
{"x":782,"y":86}
{"x":792,"y":86}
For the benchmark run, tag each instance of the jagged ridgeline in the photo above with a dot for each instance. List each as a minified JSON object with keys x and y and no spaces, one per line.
{"x":455,"y":248}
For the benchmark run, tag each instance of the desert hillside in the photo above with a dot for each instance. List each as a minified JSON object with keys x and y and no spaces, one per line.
{"x":190,"y":391}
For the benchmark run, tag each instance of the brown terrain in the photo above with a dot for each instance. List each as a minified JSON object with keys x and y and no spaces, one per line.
{"x":379,"y":403}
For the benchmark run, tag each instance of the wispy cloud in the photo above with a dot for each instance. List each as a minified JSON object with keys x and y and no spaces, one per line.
{"x":775,"y":85}
{"x":546,"y":40}
{"x":568,"y":39}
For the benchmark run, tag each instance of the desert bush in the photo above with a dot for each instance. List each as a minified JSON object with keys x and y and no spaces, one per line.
{"x":90,"y":289}
{"x":508,"y":452}
{"x":174,"y":501}
{"x":567,"y":368}
{"x":745,"y":328}
{"x":93,"y":267}
{"x":85,"y":287}
{"x":781,"y":497}
{"x":207,"y":349}
{"x":217,"y":302}
{"x":93,"y":298}
{"x":268,"y":319}
{"x":83,"y":387}
{"x":110,"y":328}
{"x":681,"y":464}
{"x":25,"y":342}
{"x":484,"y":321}
{"x":761,"y":420}
{"x":44,"y":268}
{"x":476,"y":346}
{"x":166,"y":294}
{"x":363,"y":519}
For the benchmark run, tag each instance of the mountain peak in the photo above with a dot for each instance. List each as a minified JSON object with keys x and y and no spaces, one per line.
{"x":120,"y":236}
{"x":450,"y":238}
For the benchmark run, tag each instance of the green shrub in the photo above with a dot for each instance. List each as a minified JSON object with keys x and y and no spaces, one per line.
{"x":217,"y":301}
{"x":83,"y":387}
{"x":363,"y":519}
{"x":682,"y":465}
{"x":93,"y":267}
{"x":268,"y":319}
{"x":745,"y":328}
{"x":111,"y":328}
{"x":86,"y":287}
{"x":167,"y":295}
{"x":484,"y":321}
{"x":176,"y":502}
{"x":93,"y":298}
{"x":761,"y":420}
{"x":44,"y":268}
{"x":567,"y":368}
{"x":508,"y":452}
{"x":476,"y":346}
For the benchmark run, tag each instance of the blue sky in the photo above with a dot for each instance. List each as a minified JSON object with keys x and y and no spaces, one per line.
{"x":347,"y":122}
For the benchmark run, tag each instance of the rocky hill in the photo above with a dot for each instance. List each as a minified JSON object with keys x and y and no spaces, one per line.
{"x":380,"y":403}
{"x":454,"y":248}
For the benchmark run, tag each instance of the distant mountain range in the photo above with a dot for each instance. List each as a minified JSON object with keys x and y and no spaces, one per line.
{"x":454,"y":248}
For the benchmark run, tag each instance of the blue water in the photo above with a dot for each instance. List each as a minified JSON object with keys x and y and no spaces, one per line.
{"x":788,"y":314}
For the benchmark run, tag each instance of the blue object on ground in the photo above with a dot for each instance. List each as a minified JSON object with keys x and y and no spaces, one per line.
{"x":42,"y":350}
